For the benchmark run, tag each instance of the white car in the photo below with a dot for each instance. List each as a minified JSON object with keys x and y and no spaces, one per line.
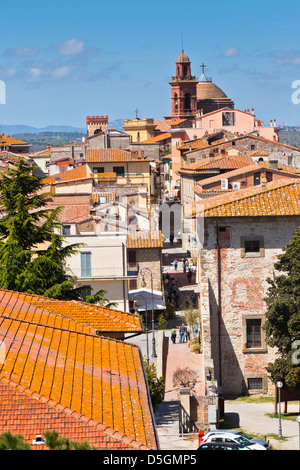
{"x":231,"y":437}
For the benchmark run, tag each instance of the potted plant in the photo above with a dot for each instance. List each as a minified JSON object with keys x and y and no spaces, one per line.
{"x":196,"y":348}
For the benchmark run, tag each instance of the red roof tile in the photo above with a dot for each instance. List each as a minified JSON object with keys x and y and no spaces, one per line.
{"x":63,"y":370}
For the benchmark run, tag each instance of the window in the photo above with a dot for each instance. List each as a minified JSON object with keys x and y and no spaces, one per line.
{"x":252,"y":246}
{"x":66,"y":230}
{"x":132,"y":284}
{"x":98,"y":169}
{"x":252,"y":147}
{"x":187,"y":102}
{"x":119,"y":170}
{"x":256,"y":178}
{"x":85,"y":264}
{"x":253,"y":333}
{"x":255,"y":383}
{"x":132,"y":258}
{"x":228,"y":119}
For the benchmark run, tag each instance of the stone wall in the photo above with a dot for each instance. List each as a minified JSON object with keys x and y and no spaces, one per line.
{"x":236,"y":294}
{"x":284,"y":154}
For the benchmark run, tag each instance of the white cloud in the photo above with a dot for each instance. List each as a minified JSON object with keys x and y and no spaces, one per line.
{"x":291,"y":57}
{"x":72,"y":47}
{"x":231,"y":52}
{"x":61,"y":72}
{"x":22,"y":52}
{"x":35,"y":74}
{"x":7,"y":71}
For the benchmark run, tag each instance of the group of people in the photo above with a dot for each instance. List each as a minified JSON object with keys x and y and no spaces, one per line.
{"x":184,"y":334}
{"x":187,"y":267}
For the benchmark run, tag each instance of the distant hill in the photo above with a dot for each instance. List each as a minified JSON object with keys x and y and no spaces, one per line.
{"x":12,"y":129}
{"x":290,"y":135}
{"x":57,"y":135}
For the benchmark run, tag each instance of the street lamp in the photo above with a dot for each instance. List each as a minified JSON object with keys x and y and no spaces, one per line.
{"x":144,"y":285}
{"x":279,"y":386}
{"x":147,"y":342}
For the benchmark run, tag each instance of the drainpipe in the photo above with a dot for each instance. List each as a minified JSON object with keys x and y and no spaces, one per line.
{"x":219,"y":277}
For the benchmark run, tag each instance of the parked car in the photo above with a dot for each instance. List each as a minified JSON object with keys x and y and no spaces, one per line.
{"x":238,"y":433}
{"x":222,"y":446}
{"x":230,"y":438}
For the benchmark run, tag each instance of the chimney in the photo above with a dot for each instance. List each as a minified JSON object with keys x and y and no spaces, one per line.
{"x":263,"y":180}
{"x":252,"y":110}
{"x":274,"y":122}
{"x":270,"y":122}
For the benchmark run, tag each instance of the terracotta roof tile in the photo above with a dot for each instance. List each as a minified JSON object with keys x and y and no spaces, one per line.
{"x":75,"y":315}
{"x":112,"y":155}
{"x":275,"y":198}
{"x":158,"y":138}
{"x":224,"y":162}
{"x":58,"y":375}
{"x":75,"y":174}
{"x":145,"y":240}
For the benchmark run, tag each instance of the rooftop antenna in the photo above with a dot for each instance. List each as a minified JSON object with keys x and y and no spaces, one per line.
{"x":182,"y":42}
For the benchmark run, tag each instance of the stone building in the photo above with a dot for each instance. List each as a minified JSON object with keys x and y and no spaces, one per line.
{"x":240,"y":144}
{"x":239,"y":237}
{"x":144,"y":250}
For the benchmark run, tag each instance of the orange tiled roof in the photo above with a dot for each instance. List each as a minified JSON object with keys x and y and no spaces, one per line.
{"x":61,"y":363}
{"x":112,"y":155}
{"x":99,"y":318}
{"x":158,"y":138}
{"x":269,"y":199}
{"x":77,"y":173}
{"x":145,"y":240}
{"x":200,"y":186}
{"x":8,"y":140}
{"x":224,"y":162}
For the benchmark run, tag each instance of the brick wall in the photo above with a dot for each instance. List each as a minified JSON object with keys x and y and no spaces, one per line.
{"x":242,"y":288}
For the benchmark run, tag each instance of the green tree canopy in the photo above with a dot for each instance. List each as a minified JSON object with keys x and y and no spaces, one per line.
{"x":283,"y":314}
{"x":32,"y":253}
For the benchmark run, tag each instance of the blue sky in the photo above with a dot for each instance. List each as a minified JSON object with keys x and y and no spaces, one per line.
{"x":64,"y":60}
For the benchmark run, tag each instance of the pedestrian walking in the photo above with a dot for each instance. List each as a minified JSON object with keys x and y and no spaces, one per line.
{"x":175,"y":264}
{"x":189,"y":275}
{"x":187,"y":334}
{"x":184,"y":265}
{"x":173,"y":335}
{"x":181,"y":333}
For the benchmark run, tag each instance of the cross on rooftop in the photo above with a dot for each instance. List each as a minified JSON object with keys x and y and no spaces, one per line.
{"x":136,"y":113}
{"x":202,"y":65}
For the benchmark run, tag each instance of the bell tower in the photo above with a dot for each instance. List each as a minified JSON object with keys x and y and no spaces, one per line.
{"x":183,"y":90}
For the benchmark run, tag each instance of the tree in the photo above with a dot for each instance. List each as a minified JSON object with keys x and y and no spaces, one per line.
{"x":190,"y":314}
{"x":282,"y":324}
{"x":28,"y":225}
{"x":100,"y":299}
{"x":185,"y":378}
{"x":156,"y":385}
{"x":56,"y":442}
{"x":9,"y":441}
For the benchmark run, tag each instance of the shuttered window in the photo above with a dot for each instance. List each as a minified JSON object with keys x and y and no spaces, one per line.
{"x":86,"y":264}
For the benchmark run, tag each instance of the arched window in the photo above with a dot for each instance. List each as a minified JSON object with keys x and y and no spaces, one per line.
{"x":176,"y":102}
{"x":187,"y":102}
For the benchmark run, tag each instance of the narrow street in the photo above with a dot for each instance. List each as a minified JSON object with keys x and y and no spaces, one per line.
{"x":177,"y":355}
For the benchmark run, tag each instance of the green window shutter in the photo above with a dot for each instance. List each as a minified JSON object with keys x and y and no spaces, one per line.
{"x":86,"y":264}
